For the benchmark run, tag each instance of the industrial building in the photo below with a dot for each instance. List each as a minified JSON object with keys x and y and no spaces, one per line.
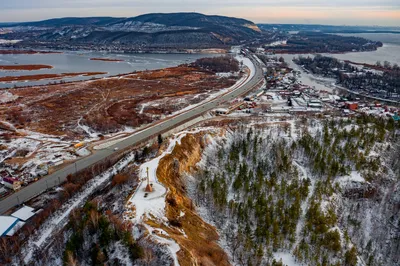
{"x":11,"y":224}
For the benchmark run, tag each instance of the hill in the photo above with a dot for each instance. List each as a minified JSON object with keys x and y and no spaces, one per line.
{"x":177,"y":30}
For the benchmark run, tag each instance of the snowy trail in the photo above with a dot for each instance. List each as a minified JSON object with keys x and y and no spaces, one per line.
{"x":60,"y":218}
{"x":304,"y":204}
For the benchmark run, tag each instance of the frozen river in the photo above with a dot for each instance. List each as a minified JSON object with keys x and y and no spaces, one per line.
{"x":68,"y":62}
{"x":389,"y":52}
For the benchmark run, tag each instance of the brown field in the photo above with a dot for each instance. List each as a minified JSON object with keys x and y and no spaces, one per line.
{"x":25,"y":67}
{"x":109,"y":104}
{"x":107,"y":59}
{"x":48,"y":76}
{"x":27,"y":52}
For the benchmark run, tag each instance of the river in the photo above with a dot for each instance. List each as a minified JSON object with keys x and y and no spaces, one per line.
{"x":69,"y":62}
{"x":389,"y":52}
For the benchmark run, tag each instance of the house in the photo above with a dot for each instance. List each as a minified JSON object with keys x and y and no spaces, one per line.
{"x":314,"y":103}
{"x":56,"y":162}
{"x":11,"y":183}
{"x":351,"y":105}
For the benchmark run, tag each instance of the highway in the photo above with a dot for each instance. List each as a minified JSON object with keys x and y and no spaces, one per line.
{"x":59,"y":176}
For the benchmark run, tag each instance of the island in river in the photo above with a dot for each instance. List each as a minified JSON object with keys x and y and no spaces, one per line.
{"x":49,"y":76}
{"x":107,"y":59}
{"x":24,"y":67}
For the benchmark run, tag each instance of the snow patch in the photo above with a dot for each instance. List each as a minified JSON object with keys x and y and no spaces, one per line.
{"x":354,"y":176}
{"x":286,"y":258}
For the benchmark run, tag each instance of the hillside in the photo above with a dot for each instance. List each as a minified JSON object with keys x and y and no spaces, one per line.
{"x":303,"y":192}
{"x":178,"y":30}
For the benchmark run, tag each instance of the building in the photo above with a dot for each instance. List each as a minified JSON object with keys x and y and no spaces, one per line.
{"x":56,"y":162}
{"x":79,"y":145}
{"x":24,"y":213}
{"x":221,"y":111}
{"x":351,"y":105}
{"x":313,"y":103}
{"x":11,"y":183}
{"x":9,"y":225}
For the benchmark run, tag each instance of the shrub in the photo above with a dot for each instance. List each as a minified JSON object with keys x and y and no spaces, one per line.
{"x":119,"y":179}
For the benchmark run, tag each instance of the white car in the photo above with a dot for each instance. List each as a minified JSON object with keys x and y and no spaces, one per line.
{"x":116,"y":148}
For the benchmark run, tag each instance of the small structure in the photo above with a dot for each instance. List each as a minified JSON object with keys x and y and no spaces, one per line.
{"x":79,"y":145}
{"x":56,"y":162}
{"x":24,"y":214}
{"x":351,"y":105}
{"x":221,"y":111}
{"x":11,"y":183}
{"x":314,"y":103}
{"x":148,"y":188}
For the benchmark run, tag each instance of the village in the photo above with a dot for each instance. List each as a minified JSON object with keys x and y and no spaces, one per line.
{"x":284,"y":94}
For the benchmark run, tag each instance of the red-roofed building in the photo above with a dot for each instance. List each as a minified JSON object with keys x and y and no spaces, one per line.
{"x":11,"y":183}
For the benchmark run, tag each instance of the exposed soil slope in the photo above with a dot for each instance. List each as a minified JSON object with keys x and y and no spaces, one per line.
{"x":199,"y":247}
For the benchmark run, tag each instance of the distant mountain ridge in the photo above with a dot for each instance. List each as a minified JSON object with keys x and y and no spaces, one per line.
{"x":158,"y":29}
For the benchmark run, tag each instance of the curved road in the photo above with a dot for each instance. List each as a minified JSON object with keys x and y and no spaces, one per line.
{"x":60,"y":176}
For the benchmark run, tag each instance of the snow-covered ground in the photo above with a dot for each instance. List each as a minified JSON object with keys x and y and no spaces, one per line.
{"x":2,"y":41}
{"x":59,"y":219}
{"x":6,"y":97}
{"x":37,"y":150}
{"x":354,"y":176}
{"x":286,"y":258}
{"x":277,"y":43}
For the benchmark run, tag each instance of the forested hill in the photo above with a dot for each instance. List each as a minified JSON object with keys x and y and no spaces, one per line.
{"x":172,"y":29}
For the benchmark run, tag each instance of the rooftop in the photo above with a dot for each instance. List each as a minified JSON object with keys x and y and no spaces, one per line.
{"x":24,"y":213}
{"x":7,"y":223}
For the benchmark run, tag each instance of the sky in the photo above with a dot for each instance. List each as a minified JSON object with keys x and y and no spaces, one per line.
{"x":333,"y":12}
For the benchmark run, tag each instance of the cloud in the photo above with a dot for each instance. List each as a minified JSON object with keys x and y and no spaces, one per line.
{"x":366,"y":12}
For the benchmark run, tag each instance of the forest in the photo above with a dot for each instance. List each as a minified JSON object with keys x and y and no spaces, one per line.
{"x":102,"y":231}
{"x":280,"y":189}
{"x":221,"y":64}
{"x":318,"y":42}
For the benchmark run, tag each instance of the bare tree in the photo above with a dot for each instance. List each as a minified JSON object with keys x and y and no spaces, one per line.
{"x":148,"y":256}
